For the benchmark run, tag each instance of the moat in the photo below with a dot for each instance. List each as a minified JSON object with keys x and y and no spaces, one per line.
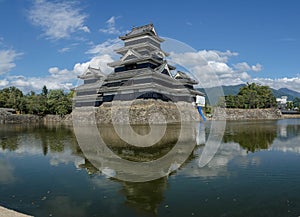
{"x":255,"y":172}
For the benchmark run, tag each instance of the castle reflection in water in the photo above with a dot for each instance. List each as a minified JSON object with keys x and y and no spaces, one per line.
{"x":59,"y":144}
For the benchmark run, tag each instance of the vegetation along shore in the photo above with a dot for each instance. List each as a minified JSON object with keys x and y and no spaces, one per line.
{"x":253,"y":101}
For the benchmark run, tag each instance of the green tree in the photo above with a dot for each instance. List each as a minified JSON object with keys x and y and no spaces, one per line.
{"x":35,"y":103}
{"x":47,"y":102}
{"x":11,"y":97}
{"x":289,"y":105}
{"x":230,"y":101}
{"x":296,"y":102}
{"x":44,"y":91}
{"x":59,"y":103}
{"x":252,"y":96}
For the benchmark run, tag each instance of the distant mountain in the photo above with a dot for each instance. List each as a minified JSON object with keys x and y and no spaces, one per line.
{"x":214,"y":92}
{"x":233,"y":89}
{"x":290,"y":93}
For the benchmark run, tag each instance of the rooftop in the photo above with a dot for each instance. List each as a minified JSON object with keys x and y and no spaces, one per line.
{"x":92,"y":73}
{"x":142,"y":30}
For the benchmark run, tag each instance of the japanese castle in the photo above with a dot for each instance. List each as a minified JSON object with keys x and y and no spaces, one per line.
{"x":142,"y":72}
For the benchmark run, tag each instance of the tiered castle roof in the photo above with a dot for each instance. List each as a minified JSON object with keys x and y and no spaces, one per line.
{"x":143,"y":71}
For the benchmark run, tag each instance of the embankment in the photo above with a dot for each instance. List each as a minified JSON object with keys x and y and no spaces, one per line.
{"x":145,"y":111}
{"x":6,"y":117}
{"x":246,"y":114}
{"x":138,"y":112}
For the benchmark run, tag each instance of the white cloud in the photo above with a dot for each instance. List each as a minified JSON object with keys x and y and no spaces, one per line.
{"x":243,"y":67}
{"x":68,"y":48}
{"x":4,"y":83}
{"x":7,"y":58}
{"x":277,"y":83}
{"x":111,"y":27}
{"x":57,"y":19}
{"x":57,"y":78}
{"x":67,"y":78}
{"x":104,"y":53}
{"x":256,"y":68}
{"x":85,"y":29}
{"x":97,"y":61}
{"x":64,"y":50}
{"x":211,"y":67}
{"x":106,"y":47}
{"x":201,"y":58}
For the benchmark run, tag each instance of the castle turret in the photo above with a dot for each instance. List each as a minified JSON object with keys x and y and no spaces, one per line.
{"x":143,"y":72}
{"x":87,"y":93}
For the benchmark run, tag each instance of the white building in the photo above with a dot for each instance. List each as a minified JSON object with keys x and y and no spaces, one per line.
{"x":282,"y":102}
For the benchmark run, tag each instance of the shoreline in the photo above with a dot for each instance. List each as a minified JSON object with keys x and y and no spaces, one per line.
{"x":139,"y":114}
{"x":296,"y":116}
{"x":4,"y":212}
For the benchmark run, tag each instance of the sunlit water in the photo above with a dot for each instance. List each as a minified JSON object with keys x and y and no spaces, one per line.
{"x":255,"y":172}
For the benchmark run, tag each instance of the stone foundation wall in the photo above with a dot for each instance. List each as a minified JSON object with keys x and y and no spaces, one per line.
{"x":246,"y":114}
{"x":143,"y":112}
{"x":6,"y":117}
{"x":138,"y":112}
{"x":18,"y":119}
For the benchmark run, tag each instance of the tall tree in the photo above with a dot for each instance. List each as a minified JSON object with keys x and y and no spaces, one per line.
{"x":252,"y":96}
{"x":11,"y":97}
{"x":44,"y":91}
{"x":59,"y":103}
{"x":296,"y":102}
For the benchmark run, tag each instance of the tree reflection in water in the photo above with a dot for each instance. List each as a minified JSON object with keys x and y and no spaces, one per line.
{"x":145,"y":197}
{"x":52,"y":138}
{"x":252,"y":136}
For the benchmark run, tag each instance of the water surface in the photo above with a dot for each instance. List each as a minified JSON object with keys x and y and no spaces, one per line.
{"x":255,"y":172}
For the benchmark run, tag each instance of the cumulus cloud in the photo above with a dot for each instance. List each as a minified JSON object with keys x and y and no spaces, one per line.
{"x":211,"y":67}
{"x":4,"y":83}
{"x":277,"y":83}
{"x":58,"y":78}
{"x":104,"y":53}
{"x":201,"y":58}
{"x":243,"y":67}
{"x":111,"y":27}
{"x":256,"y":68}
{"x":57,"y":19}
{"x":106,"y":47}
{"x":96,"y":62}
{"x":7,"y":59}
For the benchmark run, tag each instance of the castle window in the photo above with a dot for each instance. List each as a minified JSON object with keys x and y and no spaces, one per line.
{"x":131,"y":66}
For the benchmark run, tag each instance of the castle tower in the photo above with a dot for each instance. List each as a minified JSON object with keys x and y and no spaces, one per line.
{"x":87,"y":93}
{"x":143,"y":72}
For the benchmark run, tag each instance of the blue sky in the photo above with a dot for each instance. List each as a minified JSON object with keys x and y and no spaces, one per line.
{"x":51,"y":42}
